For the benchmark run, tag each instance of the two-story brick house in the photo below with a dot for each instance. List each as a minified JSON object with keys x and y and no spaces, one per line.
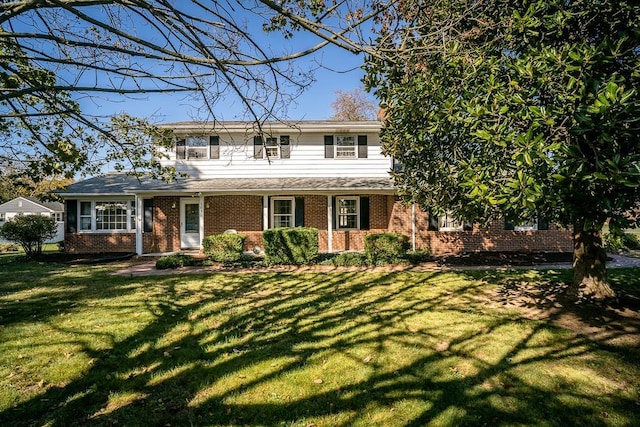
{"x":324,"y":174}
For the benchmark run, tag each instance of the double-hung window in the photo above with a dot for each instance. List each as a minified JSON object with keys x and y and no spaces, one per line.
{"x":283,"y":209}
{"x":348,"y":209}
{"x":107,"y":216}
{"x":448,"y":222}
{"x":197,"y":147}
{"x":530,"y":224}
{"x":345,"y":147}
{"x":272,"y":148}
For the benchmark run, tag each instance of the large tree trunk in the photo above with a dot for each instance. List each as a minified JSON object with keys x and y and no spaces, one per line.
{"x":589,"y":265}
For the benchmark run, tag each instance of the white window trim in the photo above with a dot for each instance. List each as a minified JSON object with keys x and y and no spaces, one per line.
{"x":93,"y":229}
{"x":206,"y":148}
{"x":335,"y":147}
{"x":277,"y":147}
{"x":273,"y":213}
{"x":357,"y":214}
{"x":533,"y":227}
{"x":460,"y":227}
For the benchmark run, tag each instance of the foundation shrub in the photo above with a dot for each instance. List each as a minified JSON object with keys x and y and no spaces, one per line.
{"x":620,"y":242}
{"x":224,"y":247}
{"x":347,"y":259}
{"x":385,"y":248}
{"x":291,"y":246}
{"x":174,"y":261}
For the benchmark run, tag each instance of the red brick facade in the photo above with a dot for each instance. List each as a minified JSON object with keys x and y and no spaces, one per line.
{"x":244,"y":213}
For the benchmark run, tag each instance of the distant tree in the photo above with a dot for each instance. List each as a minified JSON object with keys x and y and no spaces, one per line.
{"x":518,"y":109}
{"x":13,"y":185}
{"x":30,"y":232}
{"x":353,"y":105}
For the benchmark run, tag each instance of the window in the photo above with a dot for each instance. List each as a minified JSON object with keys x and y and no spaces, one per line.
{"x":197,"y":147}
{"x":107,"y":216}
{"x":531,"y":224}
{"x":58,"y":216}
{"x":2,"y":216}
{"x":448,"y":222}
{"x":348,"y":209}
{"x":345,"y":147}
{"x":282,"y":209}
{"x":272,"y":148}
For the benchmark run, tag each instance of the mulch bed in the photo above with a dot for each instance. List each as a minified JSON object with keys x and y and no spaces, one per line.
{"x":500,"y":259}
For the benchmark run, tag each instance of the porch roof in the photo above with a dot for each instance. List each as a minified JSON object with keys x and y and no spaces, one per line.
{"x":122,"y":184}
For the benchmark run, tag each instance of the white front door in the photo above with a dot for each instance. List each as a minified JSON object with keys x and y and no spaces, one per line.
{"x":189,"y":223}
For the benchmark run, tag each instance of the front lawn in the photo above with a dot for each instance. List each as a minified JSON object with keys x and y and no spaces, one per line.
{"x":81,"y":347}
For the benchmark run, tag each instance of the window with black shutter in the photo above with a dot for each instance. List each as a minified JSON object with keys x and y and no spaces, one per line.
{"x":362,"y":147}
{"x":328,"y":146}
{"x":214,"y":147}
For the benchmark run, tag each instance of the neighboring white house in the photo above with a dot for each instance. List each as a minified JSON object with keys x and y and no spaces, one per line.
{"x":30,"y":206}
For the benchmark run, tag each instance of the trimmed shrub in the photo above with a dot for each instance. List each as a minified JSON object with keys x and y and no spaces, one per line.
{"x":347,"y":259}
{"x":224,"y":247}
{"x":293,"y":246}
{"x":174,"y":261}
{"x":385,"y":248}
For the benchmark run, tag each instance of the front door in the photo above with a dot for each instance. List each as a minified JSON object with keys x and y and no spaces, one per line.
{"x":189,"y":224}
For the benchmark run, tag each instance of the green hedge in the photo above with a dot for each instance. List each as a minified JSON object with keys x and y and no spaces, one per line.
{"x":293,"y":246}
{"x":174,"y":261}
{"x":223,"y":247}
{"x":385,"y":248}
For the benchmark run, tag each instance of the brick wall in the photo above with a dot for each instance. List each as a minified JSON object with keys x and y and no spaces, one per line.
{"x":244,"y":214}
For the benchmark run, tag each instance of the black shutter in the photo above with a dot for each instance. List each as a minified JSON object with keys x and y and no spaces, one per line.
{"x":543,"y":224}
{"x":257,"y":147}
{"x":328,"y":146}
{"x":72,"y":216}
{"x":508,"y":225}
{"x":299,"y":216}
{"x":362,"y":147}
{"x":335,"y":213}
{"x":364,"y":213}
{"x":148,"y":215}
{"x":181,"y":148}
{"x":467,"y":226}
{"x":433,"y":222}
{"x":214,"y":147}
{"x":285,"y":147}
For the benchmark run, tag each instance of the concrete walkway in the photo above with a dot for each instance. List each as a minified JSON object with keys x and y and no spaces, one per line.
{"x":149,"y":268}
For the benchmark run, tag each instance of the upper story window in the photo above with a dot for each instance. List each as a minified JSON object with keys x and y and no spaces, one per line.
{"x":2,"y":217}
{"x":345,"y":146}
{"x":198,"y":147}
{"x":273,"y":147}
{"x":107,"y":216}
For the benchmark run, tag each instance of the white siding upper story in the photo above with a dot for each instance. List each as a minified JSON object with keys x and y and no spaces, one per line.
{"x":315,"y":149}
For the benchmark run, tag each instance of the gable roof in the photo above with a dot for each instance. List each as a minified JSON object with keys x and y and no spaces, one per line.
{"x":120,"y":184}
{"x":30,"y":204}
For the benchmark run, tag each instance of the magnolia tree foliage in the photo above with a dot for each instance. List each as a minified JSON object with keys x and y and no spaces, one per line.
{"x":30,"y":232}
{"x":517,"y":109}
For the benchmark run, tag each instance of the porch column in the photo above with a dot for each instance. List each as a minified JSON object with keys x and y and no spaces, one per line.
{"x":413,"y":226}
{"x":201,"y":218}
{"x":265,"y":212}
{"x":329,"y":224}
{"x":139,"y":223}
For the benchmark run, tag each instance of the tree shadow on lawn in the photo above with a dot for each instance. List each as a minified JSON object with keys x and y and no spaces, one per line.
{"x":329,"y":349}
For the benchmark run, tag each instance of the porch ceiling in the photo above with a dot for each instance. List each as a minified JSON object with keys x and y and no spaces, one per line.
{"x":122,"y":184}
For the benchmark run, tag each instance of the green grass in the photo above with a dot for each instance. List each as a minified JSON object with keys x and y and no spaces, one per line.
{"x":81,"y":347}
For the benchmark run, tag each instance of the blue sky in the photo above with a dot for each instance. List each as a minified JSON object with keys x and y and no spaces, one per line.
{"x":315,"y":102}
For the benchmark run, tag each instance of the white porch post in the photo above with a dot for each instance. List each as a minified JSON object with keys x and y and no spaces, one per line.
{"x":139,"y":223}
{"x":413,"y":226}
{"x":201,"y":219}
{"x":265,"y":212}
{"x":329,"y":224}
